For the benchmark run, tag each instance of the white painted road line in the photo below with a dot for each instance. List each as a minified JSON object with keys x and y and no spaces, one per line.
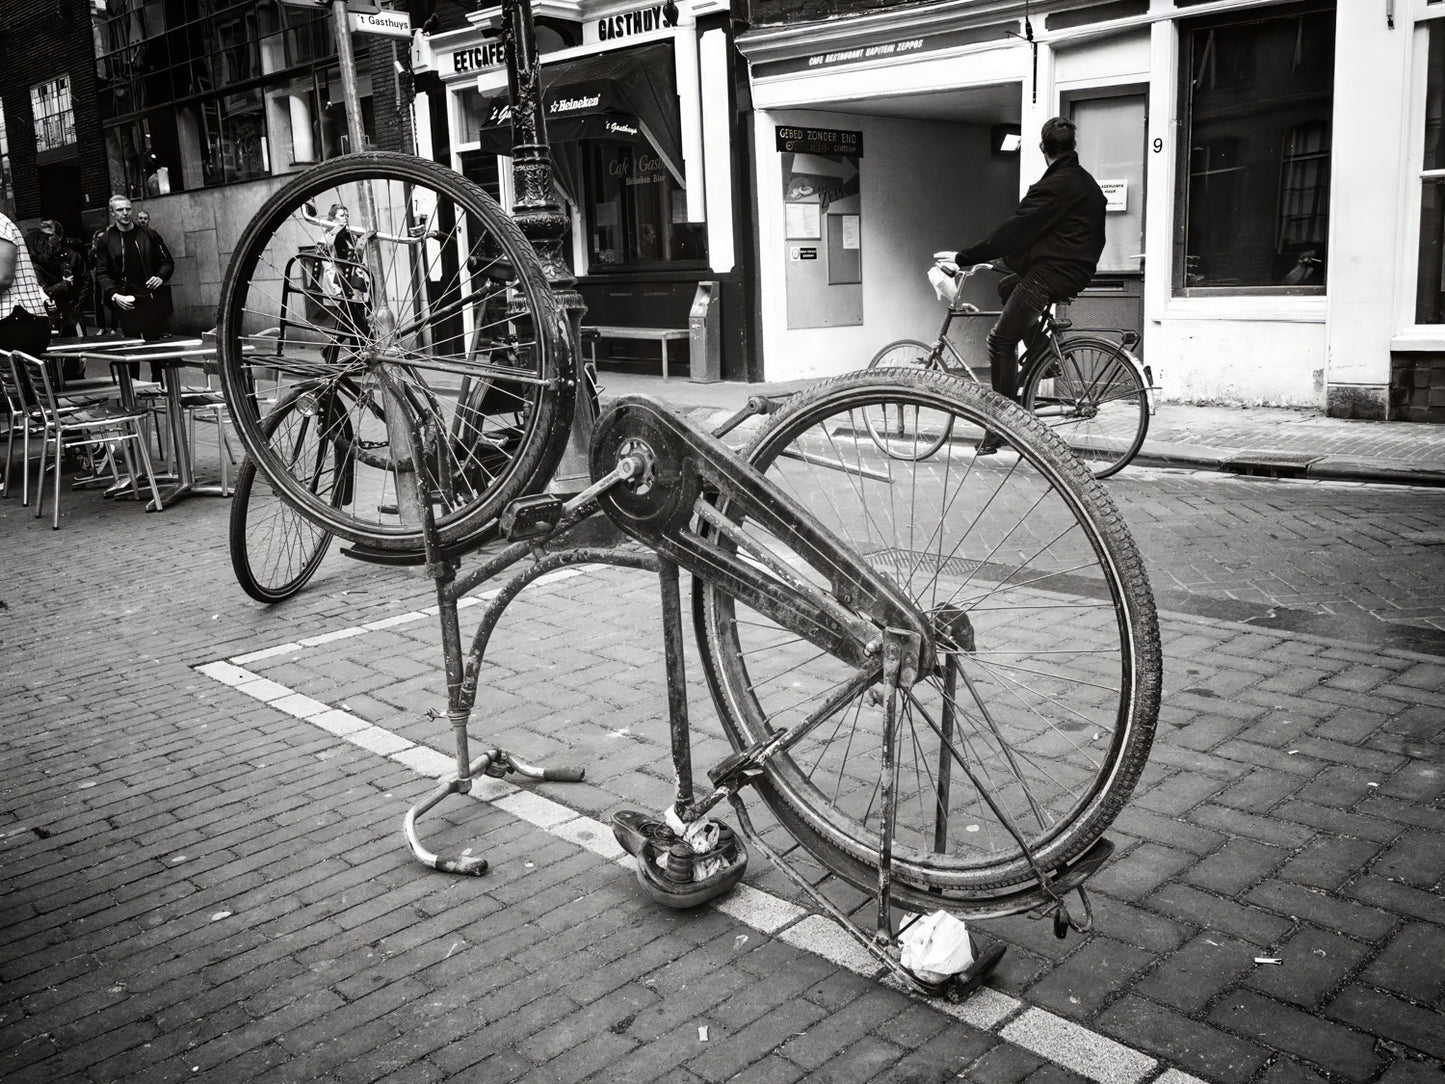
{"x":1060,"y":1041}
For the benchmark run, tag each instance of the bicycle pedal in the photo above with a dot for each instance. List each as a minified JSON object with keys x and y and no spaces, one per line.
{"x":527,"y":517}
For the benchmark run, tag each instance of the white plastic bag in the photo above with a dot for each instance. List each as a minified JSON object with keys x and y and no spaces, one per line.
{"x":944,"y":284}
{"x":936,"y":947}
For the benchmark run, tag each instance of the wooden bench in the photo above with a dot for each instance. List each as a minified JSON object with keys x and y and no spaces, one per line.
{"x":661,"y":335}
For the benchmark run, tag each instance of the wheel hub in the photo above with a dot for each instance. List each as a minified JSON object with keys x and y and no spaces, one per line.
{"x":952,"y":629}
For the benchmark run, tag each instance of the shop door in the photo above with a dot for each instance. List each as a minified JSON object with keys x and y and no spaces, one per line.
{"x":1112,"y":146}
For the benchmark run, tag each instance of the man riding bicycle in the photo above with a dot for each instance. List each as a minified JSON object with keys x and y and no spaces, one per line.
{"x":1051,"y":244}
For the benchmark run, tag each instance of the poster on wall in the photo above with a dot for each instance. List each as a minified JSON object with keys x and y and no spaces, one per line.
{"x":818,"y":179}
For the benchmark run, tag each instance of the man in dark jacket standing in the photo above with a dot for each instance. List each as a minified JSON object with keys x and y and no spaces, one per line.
{"x":133,"y":267}
{"x":1051,"y":243}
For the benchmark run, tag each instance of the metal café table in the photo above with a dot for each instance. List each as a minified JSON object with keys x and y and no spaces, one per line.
{"x":82,"y":347}
{"x":173,"y":356}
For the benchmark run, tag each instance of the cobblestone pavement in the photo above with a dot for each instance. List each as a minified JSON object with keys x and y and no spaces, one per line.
{"x":204,"y":875}
{"x":1357,"y":562}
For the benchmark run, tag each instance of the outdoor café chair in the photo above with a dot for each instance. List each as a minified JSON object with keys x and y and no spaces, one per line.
{"x":67,"y":429}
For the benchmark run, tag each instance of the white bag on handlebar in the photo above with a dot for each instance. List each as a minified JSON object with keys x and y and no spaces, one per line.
{"x":944,"y":285}
{"x":936,"y":946}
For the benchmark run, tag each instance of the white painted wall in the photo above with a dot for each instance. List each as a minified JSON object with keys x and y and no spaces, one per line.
{"x":1372,"y":267}
{"x":925,"y":187}
{"x":1235,"y":361}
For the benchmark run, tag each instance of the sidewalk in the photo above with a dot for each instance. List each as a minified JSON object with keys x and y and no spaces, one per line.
{"x":1271,"y":441}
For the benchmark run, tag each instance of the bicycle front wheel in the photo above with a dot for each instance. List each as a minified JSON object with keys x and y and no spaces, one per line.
{"x":1035,"y":720}
{"x":899,"y":431}
{"x":1092,"y":395}
{"x":434,"y":294}
{"x":275,"y":550}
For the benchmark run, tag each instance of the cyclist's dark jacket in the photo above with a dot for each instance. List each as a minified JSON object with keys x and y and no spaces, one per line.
{"x":1057,"y":230}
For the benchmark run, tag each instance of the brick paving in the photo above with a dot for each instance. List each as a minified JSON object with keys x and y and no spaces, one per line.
{"x":206,"y":879}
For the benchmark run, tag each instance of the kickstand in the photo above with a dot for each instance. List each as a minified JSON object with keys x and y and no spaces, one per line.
{"x":496,"y":763}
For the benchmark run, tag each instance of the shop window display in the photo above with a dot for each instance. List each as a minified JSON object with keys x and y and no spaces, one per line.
{"x":635,"y":211}
{"x":1258,"y":98}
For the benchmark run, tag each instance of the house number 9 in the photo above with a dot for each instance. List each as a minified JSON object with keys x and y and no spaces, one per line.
{"x":1158,"y":145}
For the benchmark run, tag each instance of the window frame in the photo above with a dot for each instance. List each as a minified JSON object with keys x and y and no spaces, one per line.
{"x":1186,"y":139}
{"x":1429,"y":20}
{"x":63,"y":113}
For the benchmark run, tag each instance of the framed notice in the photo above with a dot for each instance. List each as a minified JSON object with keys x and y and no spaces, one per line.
{"x":802,"y":220}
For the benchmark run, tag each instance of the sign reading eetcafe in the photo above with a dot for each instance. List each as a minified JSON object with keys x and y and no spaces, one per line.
{"x":489,"y":54}
{"x":832,"y":141}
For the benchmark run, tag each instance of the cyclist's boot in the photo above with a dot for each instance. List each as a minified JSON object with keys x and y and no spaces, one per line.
{"x":1003,"y":374}
{"x":1003,"y":366}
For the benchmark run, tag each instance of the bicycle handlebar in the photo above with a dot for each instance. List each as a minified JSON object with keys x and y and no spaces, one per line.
{"x":944,"y":262}
{"x":947,"y":278}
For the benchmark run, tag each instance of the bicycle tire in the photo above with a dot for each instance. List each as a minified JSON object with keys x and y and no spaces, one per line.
{"x":1066,"y":657}
{"x":469,"y":300}
{"x":892,"y":427}
{"x":1092,"y":395}
{"x":275,"y":550}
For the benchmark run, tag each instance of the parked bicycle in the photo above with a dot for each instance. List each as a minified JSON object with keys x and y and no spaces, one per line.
{"x":1089,"y":389}
{"x":942,"y":681}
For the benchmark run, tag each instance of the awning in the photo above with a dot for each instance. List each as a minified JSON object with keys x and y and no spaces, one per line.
{"x":592,"y":110}
{"x":583,"y":96}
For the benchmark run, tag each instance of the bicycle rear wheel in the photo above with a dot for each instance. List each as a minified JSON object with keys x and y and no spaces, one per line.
{"x":1037,"y":716}
{"x":275,"y":550}
{"x":1092,"y":396}
{"x":451,"y":293}
{"x":896,"y":429}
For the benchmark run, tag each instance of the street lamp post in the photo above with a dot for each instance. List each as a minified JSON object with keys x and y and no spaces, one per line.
{"x":537,"y":212}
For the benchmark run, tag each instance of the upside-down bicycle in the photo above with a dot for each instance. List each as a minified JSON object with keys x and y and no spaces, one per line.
{"x":940,"y":673}
{"x":1090,"y":389}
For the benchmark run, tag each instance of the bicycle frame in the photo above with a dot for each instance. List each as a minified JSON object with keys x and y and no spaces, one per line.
{"x":646,"y":445}
{"x":1035,"y":355}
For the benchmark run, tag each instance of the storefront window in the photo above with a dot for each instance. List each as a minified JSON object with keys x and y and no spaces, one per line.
{"x":636,"y":212}
{"x":211,"y":92}
{"x":233,"y":139}
{"x":305,"y":125}
{"x":1259,"y":94}
{"x":144,"y":156}
{"x":1430,"y":288}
